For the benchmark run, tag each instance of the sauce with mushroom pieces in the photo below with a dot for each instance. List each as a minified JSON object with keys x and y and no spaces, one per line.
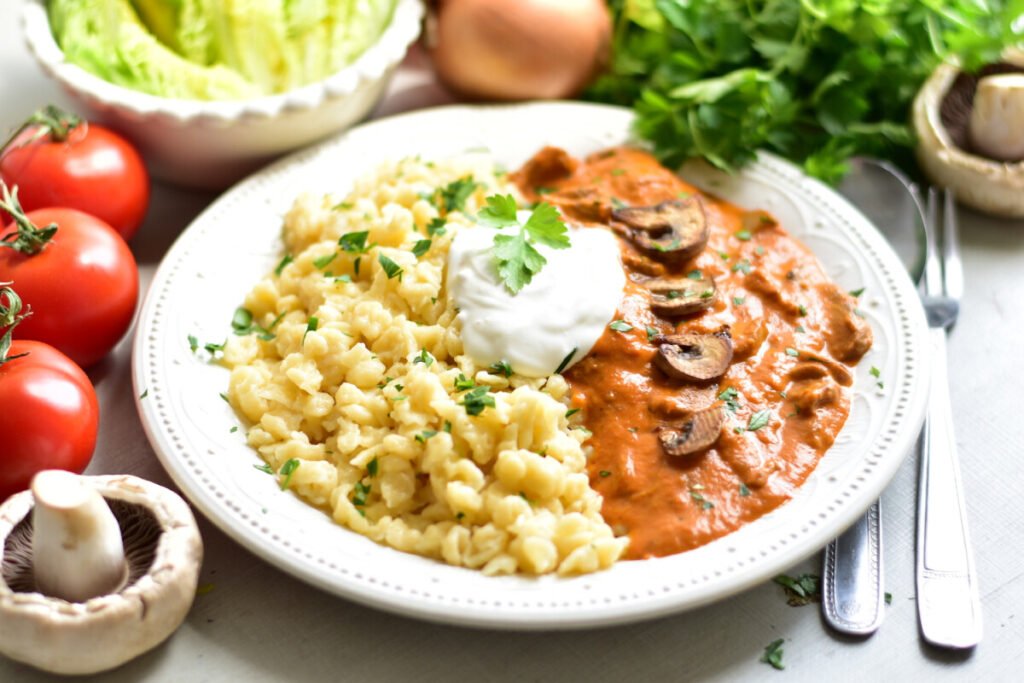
{"x":785,"y":394}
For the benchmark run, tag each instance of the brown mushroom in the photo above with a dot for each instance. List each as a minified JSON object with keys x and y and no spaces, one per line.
{"x":670,"y":231}
{"x":694,"y":357}
{"x":675,"y":297}
{"x":697,"y":433}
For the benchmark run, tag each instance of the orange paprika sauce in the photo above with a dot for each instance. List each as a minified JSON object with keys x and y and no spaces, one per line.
{"x":794,"y":334}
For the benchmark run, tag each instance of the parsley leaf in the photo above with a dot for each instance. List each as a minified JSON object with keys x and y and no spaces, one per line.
{"x":620,"y":326}
{"x":500,"y":211}
{"x":545,"y":225}
{"x":759,"y":420}
{"x":282,"y":263}
{"x":731,"y":398}
{"x":800,"y":590}
{"x":773,"y":654}
{"x":392,"y":269}
{"x":420,"y":248}
{"x":517,"y":259}
{"x":287,"y":470}
{"x":477,"y":399}
{"x":354,"y":242}
{"x":502,"y":367}
{"x":435,"y":228}
{"x":424,"y":357}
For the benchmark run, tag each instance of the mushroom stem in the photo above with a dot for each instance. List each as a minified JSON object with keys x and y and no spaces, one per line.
{"x":996,"y":127}
{"x":76,"y":541}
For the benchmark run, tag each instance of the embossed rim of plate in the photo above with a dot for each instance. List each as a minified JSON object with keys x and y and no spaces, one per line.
{"x":184,"y":425}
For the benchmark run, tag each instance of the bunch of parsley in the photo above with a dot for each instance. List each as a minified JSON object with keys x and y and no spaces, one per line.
{"x":817,"y":81}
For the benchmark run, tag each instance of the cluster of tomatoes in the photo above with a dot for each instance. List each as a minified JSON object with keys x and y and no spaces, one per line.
{"x":71,"y":194}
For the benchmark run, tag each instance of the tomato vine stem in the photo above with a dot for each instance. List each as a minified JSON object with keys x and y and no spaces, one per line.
{"x":10,"y":316}
{"x":50,"y":120}
{"x":27,"y":238}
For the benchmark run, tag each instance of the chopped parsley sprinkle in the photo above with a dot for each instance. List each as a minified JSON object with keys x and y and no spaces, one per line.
{"x":311,"y":326}
{"x":652,"y":333}
{"x":354,"y":242}
{"x":144,"y":394}
{"x":875,"y":372}
{"x":802,"y":309}
{"x":360,"y":493}
{"x":225,"y":398}
{"x":502,"y":367}
{"x":790,"y":351}
{"x":759,"y":420}
{"x":674,"y":294}
{"x":436,"y":227}
{"x":743,"y":235}
{"x":731,"y":398}
{"x":287,"y":470}
{"x":759,"y":250}
{"x":800,"y":590}
{"x":855,"y":293}
{"x":460,"y":515}
{"x":462,"y":383}
{"x":739,"y":300}
{"x":325,"y":260}
{"x":392,"y":269}
{"x":565,"y":361}
{"x":773,"y":654}
{"x":213,"y":348}
{"x":620,"y":326}
{"x":342,"y":205}
{"x":282,"y":263}
{"x":724,"y":256}
{"x":477,"y":399}
{"x":425,"y":358}
{"x":453,"y":196}
{"x":605,"y":473}
{"x":704,"y":503}
{"x":447,"y":427}
{"x":743,"y":266}
{"x":242,"y":324}
{"x":800,"y":329}
{"x":372,"y":467}
{"x":618,"y":171}
{"x":707,"y":294}
{"x":695,"y":274}
{"x":420,"y":248}
{"x":343,"y":278}
{"x":744,"y":491}
{"x":572,"y":411}
{"x":193,"y":343}
{"x":888,"y":598}
{"x":233,"y":429}
{"x":264,"y":468}
{"x":425,"y":434}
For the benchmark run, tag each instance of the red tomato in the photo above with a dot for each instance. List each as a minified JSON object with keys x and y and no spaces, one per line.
{"x":50,"y":415}
{"x":82,"y":286}
{"x":93,"y":170}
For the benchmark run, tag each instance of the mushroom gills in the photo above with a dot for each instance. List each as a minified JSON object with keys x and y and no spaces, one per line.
{"x":673,"y":231}
{"x":697,"y":433}
{"x":77,"y":549}
{"x":694,"y":357}
{"x":676,"y":297}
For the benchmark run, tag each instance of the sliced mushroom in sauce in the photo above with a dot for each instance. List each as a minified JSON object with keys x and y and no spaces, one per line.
{"x":694,"y":357}
{"x":699,"y":432}
{"x":675,"y":297}
{"x":670,"y":231}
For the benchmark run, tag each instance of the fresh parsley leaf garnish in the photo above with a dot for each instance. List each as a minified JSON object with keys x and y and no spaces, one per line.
{"x":193,"y":343}
{"x":424,"y":357}
{"x":242,"y":324}
{"x":282,"y":263}
{"x":759,"y":420}
{"x":325,"y":260}
{"x":477,"y":399}
{"x":739,"y":300}
{"x":435,"y":228}
{"x":620,"y":326}
{"x":392,"y":269}
{"x":372,"y":466}
{"x":744,"y":235}
{"x":420,"y":248}
{"x":744,"y":491}
{"x":462,"y":383}
{"x":572,"y":411}
{"x":731,"y":398}
{"x":855,"y":293}
{"x":360,"y":493}
{"x":502,"y":367}
{"x":354,"y":242}
{"x":652,"y":333}
{"x":425,"y":434}
{"x":565,"y":361}
{"x":742,"y":266}
{"x":453,"y":196}
{"x":800,"y":590}
{"x":287,"y":470}
{"x":773,"y":654}
{"x":790,"y":351}
{"x":695,"y":274}
{"x":517,"y":259}
{"x":311,"y":326}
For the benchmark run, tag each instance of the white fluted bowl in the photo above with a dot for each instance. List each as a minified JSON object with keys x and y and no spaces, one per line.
{"x":213,"y":144}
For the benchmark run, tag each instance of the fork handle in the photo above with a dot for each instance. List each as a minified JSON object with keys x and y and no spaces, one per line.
{"x":947,"y":588}
{"x":852,"y":591}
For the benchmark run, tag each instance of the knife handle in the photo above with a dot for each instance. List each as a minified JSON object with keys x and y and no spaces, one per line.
{"x":947,"y":587}
{"x":852,"y":595}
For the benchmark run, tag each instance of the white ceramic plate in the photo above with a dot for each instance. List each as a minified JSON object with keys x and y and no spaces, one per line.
{"x":236,"y":241}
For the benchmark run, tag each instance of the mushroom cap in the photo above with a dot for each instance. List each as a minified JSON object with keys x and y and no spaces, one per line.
{"x":991,"y":186}
{"x":106,"y":631}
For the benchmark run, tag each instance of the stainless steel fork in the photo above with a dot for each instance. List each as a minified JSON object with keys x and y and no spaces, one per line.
{"x":947,"y":589}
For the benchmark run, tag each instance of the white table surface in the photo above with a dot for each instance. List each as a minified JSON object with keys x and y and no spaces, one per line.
{"x":259,"y":624}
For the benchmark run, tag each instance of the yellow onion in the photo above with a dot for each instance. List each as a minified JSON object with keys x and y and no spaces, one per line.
{"x":519,"y":49}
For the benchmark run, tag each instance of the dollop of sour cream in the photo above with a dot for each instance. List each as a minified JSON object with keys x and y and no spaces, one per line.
{"x":565,"y":307}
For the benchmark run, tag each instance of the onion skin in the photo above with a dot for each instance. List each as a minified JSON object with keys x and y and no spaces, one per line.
{"x":520,"y":49}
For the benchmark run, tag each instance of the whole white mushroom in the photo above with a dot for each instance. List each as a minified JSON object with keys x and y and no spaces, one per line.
{"x":95,"y":570}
